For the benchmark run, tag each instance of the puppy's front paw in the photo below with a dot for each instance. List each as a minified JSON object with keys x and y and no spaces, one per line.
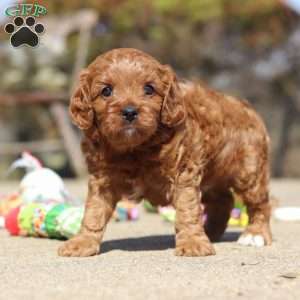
{"x":194,"y":246}
{"x":79,"y":246}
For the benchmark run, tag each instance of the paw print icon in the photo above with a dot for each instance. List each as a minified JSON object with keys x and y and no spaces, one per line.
{"x":24,"y":32}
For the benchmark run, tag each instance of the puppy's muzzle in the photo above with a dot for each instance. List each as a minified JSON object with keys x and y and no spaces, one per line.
{"x":129,"y":113}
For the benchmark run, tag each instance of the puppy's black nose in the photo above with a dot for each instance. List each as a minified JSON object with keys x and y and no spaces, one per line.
{"x":129,"y":113}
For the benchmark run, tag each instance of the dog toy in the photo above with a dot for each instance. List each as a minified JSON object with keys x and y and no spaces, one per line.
{"x":7,"y":203}
{"x":149,"y":207}
{"x":38,"y":219}
{"x":39,"y":184}
{"x":238,"y":216}
{"x":168,"y":213}
{"x":54,"y":220}
{"x":25,"y":219}
{"x":51,"y":221}
{"x":11,"y":221}
{"x":43,"y":206}
{"x":126,"y":210}
{"x":69,"y":221}
{"x":44,"y":220}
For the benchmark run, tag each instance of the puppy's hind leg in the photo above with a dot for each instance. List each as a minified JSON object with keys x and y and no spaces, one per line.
{"x":256,"y":198}
{"x":218,"y":206}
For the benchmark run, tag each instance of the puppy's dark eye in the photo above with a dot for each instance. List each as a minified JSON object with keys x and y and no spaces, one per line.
{"x":107,"y":91}
{"x":149,"y":89}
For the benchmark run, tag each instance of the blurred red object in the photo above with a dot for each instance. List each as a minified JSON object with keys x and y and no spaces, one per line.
{"x":11,"y":221}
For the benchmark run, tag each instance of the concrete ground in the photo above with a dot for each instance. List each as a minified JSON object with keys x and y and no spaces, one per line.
{"x":137,"y":262}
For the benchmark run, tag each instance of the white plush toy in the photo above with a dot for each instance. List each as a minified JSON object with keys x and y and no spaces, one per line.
{"x":40,"y":184}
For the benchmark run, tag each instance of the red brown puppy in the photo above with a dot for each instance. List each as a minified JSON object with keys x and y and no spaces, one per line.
{"x":146,"y":134}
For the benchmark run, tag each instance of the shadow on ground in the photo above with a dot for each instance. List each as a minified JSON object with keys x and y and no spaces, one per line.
{"x":230,"y":236}
{"x":147,"y":243}
{"x":153,"y":242}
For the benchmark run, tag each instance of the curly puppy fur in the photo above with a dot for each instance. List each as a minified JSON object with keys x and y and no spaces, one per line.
{"x":187,"y":145}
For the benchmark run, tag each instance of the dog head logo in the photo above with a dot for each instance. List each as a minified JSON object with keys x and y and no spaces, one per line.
{"x":24,"y":29}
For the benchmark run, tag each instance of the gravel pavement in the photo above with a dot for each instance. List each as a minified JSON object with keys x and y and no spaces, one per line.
{"x":137,"y":262}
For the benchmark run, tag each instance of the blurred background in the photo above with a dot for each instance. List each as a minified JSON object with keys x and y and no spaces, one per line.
{"x":246,"y":48}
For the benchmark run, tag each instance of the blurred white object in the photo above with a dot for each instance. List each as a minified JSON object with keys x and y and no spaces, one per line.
{"x":293,"y":4}
{"x":40,"y":184}
{"x":4,"y":4}
{"x":287,"y":213}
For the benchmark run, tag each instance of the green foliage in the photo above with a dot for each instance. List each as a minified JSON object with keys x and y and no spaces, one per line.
{"x":164,"y":6}
{"x":127,"y":14}
{"x":197,"y":37}
{"x":204,"y":10}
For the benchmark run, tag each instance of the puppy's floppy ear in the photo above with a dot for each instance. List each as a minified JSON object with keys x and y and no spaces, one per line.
{"x":80,"y":106}
{"x":173,"y":110}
